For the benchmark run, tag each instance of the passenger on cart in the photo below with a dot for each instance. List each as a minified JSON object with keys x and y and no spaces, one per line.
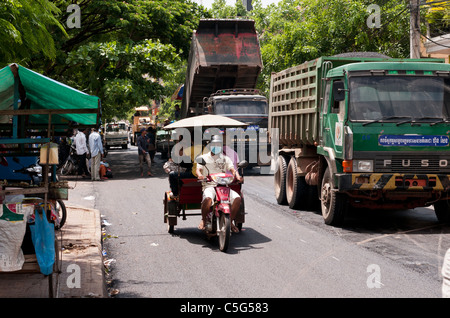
{"x":190,"y":168}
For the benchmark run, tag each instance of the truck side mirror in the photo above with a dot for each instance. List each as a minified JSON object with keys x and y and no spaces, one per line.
{"x":338,"y":91}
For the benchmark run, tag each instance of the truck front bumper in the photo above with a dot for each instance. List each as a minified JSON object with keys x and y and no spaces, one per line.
{"x":392,"y":182}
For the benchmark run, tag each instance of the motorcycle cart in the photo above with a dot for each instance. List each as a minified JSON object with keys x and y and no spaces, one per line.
{"x":190,"y":190}
{"x":190,"y":199}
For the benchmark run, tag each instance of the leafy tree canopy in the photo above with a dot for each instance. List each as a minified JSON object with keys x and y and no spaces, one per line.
{"x":295,"y":31}
{"x":124,"y":52}
{"x":128,"y":52}
{"x":24,"y":30}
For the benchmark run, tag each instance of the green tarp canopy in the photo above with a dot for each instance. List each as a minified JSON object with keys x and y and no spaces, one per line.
{"x":25,"y":92}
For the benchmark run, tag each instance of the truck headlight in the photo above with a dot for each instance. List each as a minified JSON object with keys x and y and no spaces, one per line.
{"x":362,"y":165}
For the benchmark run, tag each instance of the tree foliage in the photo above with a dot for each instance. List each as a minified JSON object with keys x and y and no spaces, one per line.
{"x":126,"y":51}
{"x":24,"y":30}
{"x":438,"y":17}
{"x":295,"y":31}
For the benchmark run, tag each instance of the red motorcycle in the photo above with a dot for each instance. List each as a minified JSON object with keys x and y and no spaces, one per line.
{"x":219,"y":220}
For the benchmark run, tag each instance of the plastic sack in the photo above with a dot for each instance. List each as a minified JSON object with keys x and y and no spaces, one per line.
{"x":43,"y":237}
{"x":170,"y":166}
{"x":13,"y":221}
{"x":446,"y":275}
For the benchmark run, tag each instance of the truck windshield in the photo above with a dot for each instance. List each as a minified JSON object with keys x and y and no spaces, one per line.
{"x":115,"y":127}
{"x":393,"y":98}
{"x":241,"y":107}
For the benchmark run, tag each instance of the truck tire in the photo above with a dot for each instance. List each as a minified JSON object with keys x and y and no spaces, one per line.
{"x":297,"y":190}
{"x":333,"y":204}
{"x":280,"y":180}
{"x":442,"y":210}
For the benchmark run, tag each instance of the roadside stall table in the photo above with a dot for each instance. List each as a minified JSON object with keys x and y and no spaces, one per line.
{"x":34,"y":109}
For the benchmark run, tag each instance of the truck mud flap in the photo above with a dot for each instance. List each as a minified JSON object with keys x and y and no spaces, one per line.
{"x":381,"y":181}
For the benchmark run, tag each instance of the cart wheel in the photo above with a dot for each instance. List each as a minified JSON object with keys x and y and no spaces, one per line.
{"x":224,"y":231}
{"x":170,"y":228}
{"x":170,"y":213}
{"x":166,"y":209}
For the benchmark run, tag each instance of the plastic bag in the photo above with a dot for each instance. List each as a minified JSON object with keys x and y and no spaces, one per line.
{"x":43,"y":237}
{"x":170,"y":166}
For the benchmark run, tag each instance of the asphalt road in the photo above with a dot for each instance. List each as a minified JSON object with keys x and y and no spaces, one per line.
{"x":281,"y":253}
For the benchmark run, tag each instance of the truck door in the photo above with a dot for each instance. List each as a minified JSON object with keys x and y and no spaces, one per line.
{"x":333,"y":116}
{"x":323,"y":112}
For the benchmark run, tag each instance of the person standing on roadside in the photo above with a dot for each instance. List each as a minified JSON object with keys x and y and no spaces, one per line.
{"x":142,"y":143}
{"x":82,"y":152}
{"x":151,"y":135}
{"x":96,"y":147}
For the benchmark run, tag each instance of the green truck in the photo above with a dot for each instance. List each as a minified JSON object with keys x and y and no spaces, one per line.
{"x":362,"y":132}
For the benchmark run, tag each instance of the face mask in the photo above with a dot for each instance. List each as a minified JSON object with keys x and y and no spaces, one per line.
{"x":216,"y":149}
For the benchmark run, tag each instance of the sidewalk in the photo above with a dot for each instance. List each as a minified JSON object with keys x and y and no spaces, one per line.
{"x":81,"y":264}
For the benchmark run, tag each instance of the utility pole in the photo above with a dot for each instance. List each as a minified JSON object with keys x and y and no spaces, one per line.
{"x":247,"y":5}
{"x":414,"y":29}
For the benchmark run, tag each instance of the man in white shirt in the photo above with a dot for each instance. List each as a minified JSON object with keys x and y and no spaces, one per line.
{"x":82,"y":152}
{"x":217,"y":162}
{"x":96,"y":147}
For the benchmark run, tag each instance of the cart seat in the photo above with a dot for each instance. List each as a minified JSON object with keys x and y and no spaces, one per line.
{"x":190,"y":191}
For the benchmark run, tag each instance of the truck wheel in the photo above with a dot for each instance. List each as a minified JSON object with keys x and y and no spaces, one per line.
{"x":333,"y":204}
{"x":280,"y":180}
{"x":442,"y":210}
{"x":296,"y":187}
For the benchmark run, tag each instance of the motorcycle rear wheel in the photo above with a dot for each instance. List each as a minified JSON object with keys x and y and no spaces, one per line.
{"x":67,"y":168}
{"x":224,"y":231}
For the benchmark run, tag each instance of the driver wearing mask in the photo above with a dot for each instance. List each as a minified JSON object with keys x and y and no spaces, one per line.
{"x":217,"y":162}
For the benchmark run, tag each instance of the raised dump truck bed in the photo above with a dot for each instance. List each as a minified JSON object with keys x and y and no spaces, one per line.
{"x":224,"y":54}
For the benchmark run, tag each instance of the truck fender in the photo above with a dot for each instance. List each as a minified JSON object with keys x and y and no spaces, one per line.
{"x":331,"y":159}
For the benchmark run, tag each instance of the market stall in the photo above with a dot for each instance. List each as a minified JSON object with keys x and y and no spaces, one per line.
{"x":34,"y":111}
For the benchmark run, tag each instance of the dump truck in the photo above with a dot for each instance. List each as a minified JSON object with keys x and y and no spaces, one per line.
{"x":223,"y":68}
{"x":362,"y":133}
{"x":116,"y":135}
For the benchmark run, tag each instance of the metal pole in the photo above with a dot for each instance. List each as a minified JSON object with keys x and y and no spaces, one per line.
{"x":414,"y":29}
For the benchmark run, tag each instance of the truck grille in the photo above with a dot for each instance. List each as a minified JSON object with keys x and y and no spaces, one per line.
{"x":417,"y":164}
